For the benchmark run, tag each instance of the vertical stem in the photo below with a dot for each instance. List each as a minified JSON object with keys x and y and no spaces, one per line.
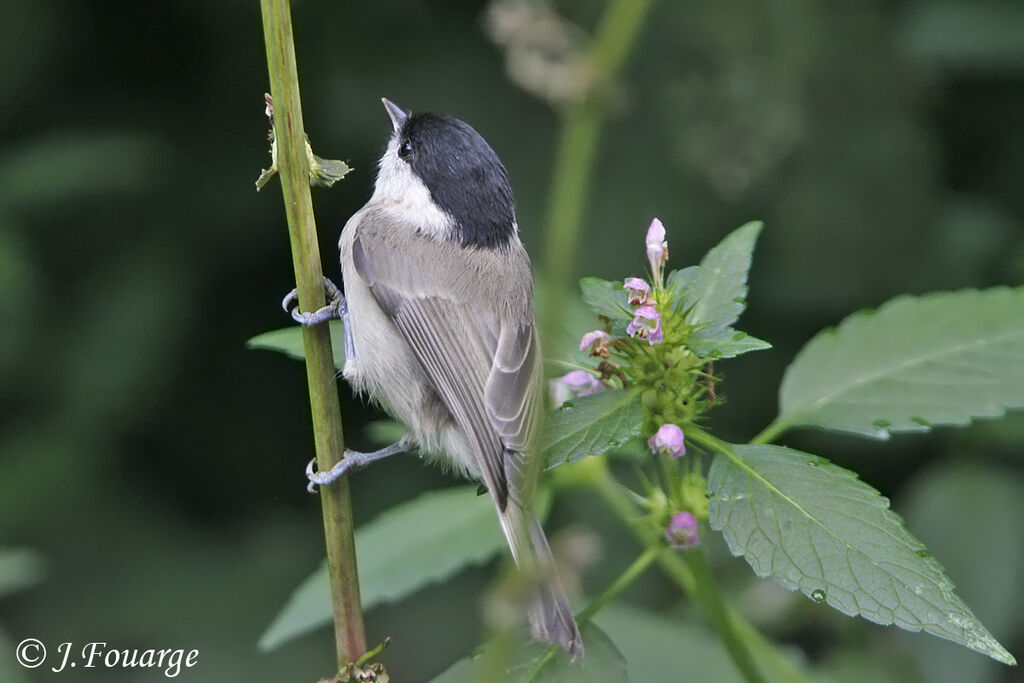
{"x":293,"y":169}
{"x":710,"y":597}
{"x":767,"y":654}
{"x":577,"y":147}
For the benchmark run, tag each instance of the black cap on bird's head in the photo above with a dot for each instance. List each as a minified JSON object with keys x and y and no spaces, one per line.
{"x":463,"y":175}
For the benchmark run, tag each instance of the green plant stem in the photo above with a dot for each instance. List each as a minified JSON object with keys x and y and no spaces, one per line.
{"x":710,"y":597}
{"x":671,"y":471}
{"x":627,"y":577}
{"x":771,"y":432}
{"x":293,"y":170}
{"x":624,"y":580}
{"x":577,"y":148}
{"x":741,"y":639}
{"x":767,"y":654}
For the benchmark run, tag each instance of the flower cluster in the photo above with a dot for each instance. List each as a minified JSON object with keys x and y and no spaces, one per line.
{"x":646,"y":323}
{"x":644,"y":346}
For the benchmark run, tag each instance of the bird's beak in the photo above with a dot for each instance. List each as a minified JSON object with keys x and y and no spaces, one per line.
{"x":398,"y":116}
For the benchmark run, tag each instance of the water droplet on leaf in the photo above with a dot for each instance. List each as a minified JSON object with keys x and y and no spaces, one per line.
{"x":818,"y":595}
{"x":923,"y":552}
{"x":920,"y":421}
{"x":881,"y":424}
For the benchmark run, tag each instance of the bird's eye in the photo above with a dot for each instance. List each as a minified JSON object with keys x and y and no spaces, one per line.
{"x":405,"y":149}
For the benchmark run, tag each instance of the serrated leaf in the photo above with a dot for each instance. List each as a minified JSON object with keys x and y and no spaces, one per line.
{"x":423,"y":541}
{"x":939,"y":359}
{"x":817,"y":528}
{"x":608,"y":299}
{"x":590,"y":425}
{"x":288,"y":340}
{"x":602,"y":663}
{"x":678,"y":283}
{"x":724,"y":343}
{"x":717,"y":295}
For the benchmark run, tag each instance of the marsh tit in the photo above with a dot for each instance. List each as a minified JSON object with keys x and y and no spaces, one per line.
{"x":440,"y":332}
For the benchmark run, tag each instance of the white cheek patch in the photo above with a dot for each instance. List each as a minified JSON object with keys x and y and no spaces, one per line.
{"x":398,"y":185}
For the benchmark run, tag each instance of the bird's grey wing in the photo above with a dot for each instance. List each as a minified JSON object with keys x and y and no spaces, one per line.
{"x":481,"y":356}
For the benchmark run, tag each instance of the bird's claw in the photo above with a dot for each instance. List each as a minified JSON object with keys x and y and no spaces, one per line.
{"x":286,"y":303}
{"x":353,"y":460}
{"x":332,"y":311}
{"x":320,"y":478}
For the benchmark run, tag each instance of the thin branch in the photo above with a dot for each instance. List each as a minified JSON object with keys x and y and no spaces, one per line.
{"x":577,"y":148}
{"x":293,"y":167}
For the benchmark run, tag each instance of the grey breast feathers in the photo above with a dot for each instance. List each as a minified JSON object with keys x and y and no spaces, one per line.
{"x":467,"y":316}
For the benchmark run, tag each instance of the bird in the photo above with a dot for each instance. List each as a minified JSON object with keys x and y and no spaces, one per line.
{"x":440,"y":332}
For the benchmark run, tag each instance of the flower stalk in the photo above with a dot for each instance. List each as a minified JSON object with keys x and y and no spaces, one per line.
{"x":293,"y":168}
{"x":577,"y":147}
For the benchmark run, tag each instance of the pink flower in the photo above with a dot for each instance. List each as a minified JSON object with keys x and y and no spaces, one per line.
{"x":639,"y":292}
{"x":682,"y":531}
{"x":668,"y":440}
{"x":657,"y":248}
{"x":597,"y":342}
{"x":573,"y":385}
{"x":646,"y":324}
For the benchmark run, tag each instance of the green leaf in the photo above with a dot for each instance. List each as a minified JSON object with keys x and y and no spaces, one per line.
{"x":712,"y":295}
{"x":19,"y":568}
{"x":815,"y":527}
{"x":679,"y":283}
{"x":942,"y":358}
{"x":590,"y":425}
{"x":11,"y":670}
{"x":947,"y":506}
{"x":717,"y":295}
{"x":608,"y":299}
{"x":602,"y":663}
{"x":62,"y":167}
{"x":658,"y":648}
{"x":725,"y":343}
{"x":288,"y":340}
{"x":423,"y":541}
{"x":325,"y":172}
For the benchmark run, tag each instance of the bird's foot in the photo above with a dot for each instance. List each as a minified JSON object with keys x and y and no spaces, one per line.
{"x":336,"y":308}
{"x":353,"y":460}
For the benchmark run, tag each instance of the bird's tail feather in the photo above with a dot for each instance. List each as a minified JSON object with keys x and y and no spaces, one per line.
{"x":551,"y":618}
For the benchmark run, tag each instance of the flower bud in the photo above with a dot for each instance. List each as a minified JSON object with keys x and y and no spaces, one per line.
{"x":668,"y":440}
{"x":646,"y":324}
{"x":639,"y":292}
{"x":573,"y":385}
{"x":681,"y":532}
{"x":597,"y":342}
{"x":657,"y":248}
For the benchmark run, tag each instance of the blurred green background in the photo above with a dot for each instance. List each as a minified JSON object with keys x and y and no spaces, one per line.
{"x":153,"y":467}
